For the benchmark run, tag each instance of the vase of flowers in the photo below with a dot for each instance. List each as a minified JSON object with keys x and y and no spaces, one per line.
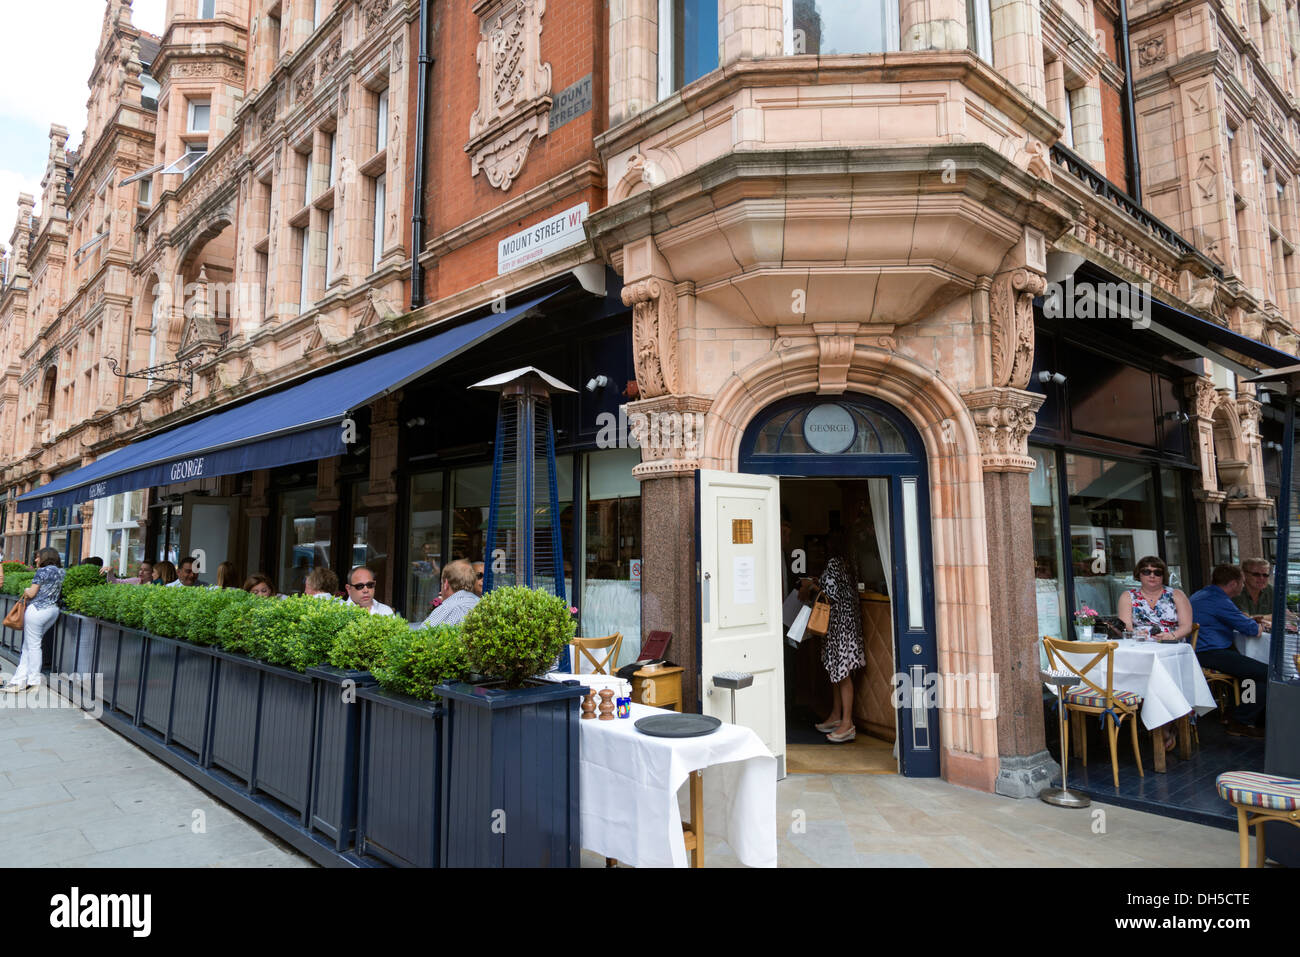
{"x":1084,"y":619}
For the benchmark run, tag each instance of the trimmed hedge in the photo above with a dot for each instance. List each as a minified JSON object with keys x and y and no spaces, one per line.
{"x":360,"y":646}
{"x":514,"y":633}
{"x":79,"y":577}
{"x":416,"y":662}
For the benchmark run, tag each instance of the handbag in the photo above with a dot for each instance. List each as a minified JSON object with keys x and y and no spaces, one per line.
{"x":14,"y":619}
{"x":819,"y":622}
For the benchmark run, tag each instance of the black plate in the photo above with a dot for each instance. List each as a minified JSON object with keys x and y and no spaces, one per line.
{"x":678,"y":725}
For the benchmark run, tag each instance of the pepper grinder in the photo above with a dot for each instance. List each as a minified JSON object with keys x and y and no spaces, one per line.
{"x":607,"y":704}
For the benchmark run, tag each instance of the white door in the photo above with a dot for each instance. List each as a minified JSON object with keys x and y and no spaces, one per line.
{"x":208,"y":530}
{"x":740,"y":600}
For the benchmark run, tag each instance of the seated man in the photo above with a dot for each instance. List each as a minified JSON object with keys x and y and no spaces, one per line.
{"x":186,"y":575}
{"x":361,"y":591}
{"x":321,"y":583}
{"x":457,"y":594}
{"x":1219,"y":618}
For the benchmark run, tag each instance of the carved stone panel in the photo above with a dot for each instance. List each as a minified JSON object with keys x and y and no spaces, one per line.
{"x":1003,"y":420}
{"x":1011,"y":311}
{"x":514,"y":89}
{"x":654,"y":336}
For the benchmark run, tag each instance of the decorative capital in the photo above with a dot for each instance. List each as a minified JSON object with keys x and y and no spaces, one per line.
{"x":1003,"y":420}
{"x":654,"y":335}
{"x":1011,"y":311}
{"x":669,"y":430}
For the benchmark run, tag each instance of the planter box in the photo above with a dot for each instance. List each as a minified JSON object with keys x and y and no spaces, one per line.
{"x":10,"y":639}
{"x":262,"y":727}
{"x":336,"y":752}
{"x":74,"y":657}
{"x":177,"y":692}
{"x":399,"y":780}
{"x":513,"y":752}
{"x":130,"y":669}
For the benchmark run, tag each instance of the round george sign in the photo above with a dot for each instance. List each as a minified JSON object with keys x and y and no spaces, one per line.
{"x":829,"y":429}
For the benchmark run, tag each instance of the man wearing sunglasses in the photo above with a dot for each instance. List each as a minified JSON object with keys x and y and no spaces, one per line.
{"x":1256,"y":598}
{"x":361,"y":591}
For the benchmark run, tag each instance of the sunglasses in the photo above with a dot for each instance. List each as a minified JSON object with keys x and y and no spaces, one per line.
{"x":362,"y":585}
{"x":1150,"y":571}
{"x":1257,"y":574}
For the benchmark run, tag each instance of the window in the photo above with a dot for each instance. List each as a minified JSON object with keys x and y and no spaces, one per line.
{"x":150,"y":87}
{"x":315,"y":13}
{"x":330,"y":161}
{"x":304,"y":275}
{"x":611,"y":591}
{"x":117,"y":536}
{"x":299,"y":550}
{"x":688,"y":42}
{"x":380,"y":199}
{"x":329,"y":248}
{"x":200,"y":116}
{"x":381,"y":121}
{"x":424,"y":574}
{"x":144,"y":192}
{"x":191,"y":158}
{"x":1045,"y":519}
{"x":830,"y":27}
{"x":207,"y":9}
{"x":979,"y":28}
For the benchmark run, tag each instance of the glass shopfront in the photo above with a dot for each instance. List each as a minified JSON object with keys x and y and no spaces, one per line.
{"x":299,"y":549}
{"x":611,"y":587}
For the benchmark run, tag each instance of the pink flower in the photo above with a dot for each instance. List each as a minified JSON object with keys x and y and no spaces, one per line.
{"x":573,"y":610}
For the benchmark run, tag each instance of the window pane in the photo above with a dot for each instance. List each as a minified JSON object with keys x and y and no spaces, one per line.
{"x":1175,"y":556}
{"x":380,"y":201}
{"x":611,"y":596}
{"x":425,"y":545}
{"x":695,"y":40}
{"x":1112,"y":525}
{"x":381,"y":122}
{"x":870,"y":433}
{"x":471,"y":494}
{"x":829,"y":27}
{"x":1045,"y":515}
{"x":297,"y":540}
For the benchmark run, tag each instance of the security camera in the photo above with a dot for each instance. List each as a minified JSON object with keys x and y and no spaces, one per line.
{"x":599,"y":382}
{"x":1046,"y":377}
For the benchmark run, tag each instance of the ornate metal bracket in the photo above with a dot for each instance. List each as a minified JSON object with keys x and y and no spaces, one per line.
{"x":183,"y":367}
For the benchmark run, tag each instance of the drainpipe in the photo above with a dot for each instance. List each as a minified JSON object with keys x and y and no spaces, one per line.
{"x":421,"y":121}
{"x":1130,"y":114}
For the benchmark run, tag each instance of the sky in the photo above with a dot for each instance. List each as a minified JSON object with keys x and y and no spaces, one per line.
{"x":47,"y":50}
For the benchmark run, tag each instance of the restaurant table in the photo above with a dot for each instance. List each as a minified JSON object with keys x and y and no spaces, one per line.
{"x":1168,"y":677}
{"x":628,"y":783}
{"x":1260,"y":646}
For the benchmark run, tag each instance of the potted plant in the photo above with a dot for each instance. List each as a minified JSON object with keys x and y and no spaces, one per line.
{"x":1084,"y":619}
{"x":401,"y":725}
{"x":510,"y":745}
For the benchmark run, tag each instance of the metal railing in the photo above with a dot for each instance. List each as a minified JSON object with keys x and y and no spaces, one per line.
{"x":1082,"y":170}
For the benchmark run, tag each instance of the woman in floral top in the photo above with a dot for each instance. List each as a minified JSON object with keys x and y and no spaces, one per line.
{"x":42,"y":610}
{"x":1158,"y":606}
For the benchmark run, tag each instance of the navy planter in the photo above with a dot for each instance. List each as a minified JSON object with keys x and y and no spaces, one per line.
{"x":177,"y":692}
{"x":7,"y":603}
{"x":156,"y":688}
{"x":336,"y":752}
{"x":130,"y":668}
{"x":399,"y":781}
{"x":262,"y":728}
{"x":510,"y":776}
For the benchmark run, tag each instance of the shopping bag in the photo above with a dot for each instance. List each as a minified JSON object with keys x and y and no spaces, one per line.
{"x":796,"y":632}
{"x":790,"y":608}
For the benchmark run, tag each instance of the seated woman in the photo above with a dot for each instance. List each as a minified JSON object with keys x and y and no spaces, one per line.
{"x":259,"y":584}
{"x":1157,"y":606}
{"x":226,"y":575}
{"x":164,"y":573}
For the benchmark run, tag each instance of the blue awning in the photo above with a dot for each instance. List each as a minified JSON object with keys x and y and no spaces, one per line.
{"x":301,"y":423}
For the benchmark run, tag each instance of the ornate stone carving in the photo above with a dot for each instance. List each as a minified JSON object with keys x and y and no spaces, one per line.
{"x":1152,"y":50}
{"x":375,"y":11}
{"x":303,"y":86}
{"x":654,"y":335}
{"x":1205,"y":397}
{"x":669,"y":430}
{"x":1011,"y":309}
{"x":1003,"y":420}
{"x":1034,"y":157}
{"x":836,"y":356}
{"x":514,"y":104}
{"x":329,"y":55}
{"x":396,"y":57}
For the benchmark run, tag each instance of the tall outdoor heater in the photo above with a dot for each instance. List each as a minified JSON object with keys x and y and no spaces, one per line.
{"x":523,"y":544}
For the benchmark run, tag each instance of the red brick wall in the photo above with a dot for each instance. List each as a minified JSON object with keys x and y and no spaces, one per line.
{"x":573,"y":42}
{"x":1112,"y":116}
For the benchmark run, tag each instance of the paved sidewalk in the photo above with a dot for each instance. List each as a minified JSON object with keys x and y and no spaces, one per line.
{"x":885,"y":820}
{"x":75,"y":794}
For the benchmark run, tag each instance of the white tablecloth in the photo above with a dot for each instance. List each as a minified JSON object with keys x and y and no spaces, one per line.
{"x":597,"y":683}
{"x":1256,"y":646}
{"x":628,"y":784}
{"x":1167,"y":676}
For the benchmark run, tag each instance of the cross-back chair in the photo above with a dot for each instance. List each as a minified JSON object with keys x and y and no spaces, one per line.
{"x":1091,"y":697}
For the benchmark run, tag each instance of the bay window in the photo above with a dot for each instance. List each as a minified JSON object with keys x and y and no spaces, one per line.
{"x":834,"y":27}
{"x":688,"y":42}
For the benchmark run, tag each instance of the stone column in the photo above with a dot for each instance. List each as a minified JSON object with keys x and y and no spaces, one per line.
{"x":749,"y":28}
{"x":1085,"y":117}
{"x":1017,"y":44}
{"x":1004,"y":418}
{"x":933,"y":25}
{"x":633,"y":58}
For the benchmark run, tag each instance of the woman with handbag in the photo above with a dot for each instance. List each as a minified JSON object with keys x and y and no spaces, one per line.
{"x":42,"y":600}
{"x":842,"y":649}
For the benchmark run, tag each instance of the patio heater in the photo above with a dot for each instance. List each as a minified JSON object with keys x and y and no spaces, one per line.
{"x":523,"y":534}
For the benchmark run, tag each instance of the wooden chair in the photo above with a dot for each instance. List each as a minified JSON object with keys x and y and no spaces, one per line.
{"x":1093,"y":698}
{"x":585,"y":646}
{"x":1219,"y":681}
{"x":1258,"y":799}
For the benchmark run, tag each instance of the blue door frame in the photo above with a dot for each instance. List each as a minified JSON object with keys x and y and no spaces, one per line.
{"x":915,"y":648}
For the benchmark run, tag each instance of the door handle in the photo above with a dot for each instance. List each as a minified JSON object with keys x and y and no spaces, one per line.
{"x":704,"y":598}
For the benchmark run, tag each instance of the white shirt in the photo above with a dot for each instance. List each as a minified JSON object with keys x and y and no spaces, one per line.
{"x":377,"y":607}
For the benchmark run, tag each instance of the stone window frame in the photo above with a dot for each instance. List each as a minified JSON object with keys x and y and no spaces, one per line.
{"x":376,"y":88}
{"x":192,"y":103}
{"x":210,"y":6}
{"x":667,"y":63}
{"x":893,"y":28}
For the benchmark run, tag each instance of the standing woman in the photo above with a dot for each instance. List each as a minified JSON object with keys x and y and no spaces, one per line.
{"x":842,"y":648}
{"x":42,"y":610}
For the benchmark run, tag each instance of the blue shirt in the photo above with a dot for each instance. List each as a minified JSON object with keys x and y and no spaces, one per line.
{"x":1218,"y":617}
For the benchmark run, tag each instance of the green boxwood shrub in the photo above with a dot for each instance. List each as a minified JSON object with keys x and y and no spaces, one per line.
{"x":236,"y":624}
{"x":515,"y":633}
{"x":416,"y":662}
{"x":89,"y":601}
{"x":319,"y":622}
{"x":79,"y":577}
{"x":166,"y":610}
{"x":18,"y":582}
{"x":126,"y":604}
{"x":360,"y":644}
{"x":15,"y":567}
{"x":205,"y":609}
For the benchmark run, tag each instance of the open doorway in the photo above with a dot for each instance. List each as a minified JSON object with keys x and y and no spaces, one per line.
{"x":818,"y":518}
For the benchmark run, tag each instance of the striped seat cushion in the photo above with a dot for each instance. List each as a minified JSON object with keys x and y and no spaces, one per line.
{"x":1260,"y":790}
{"x":1088,"y":698}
